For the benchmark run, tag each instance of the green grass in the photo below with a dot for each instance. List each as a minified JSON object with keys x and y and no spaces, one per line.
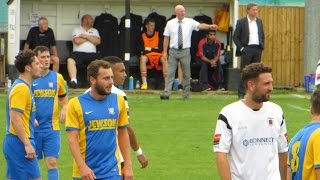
{"x":176,"y":135}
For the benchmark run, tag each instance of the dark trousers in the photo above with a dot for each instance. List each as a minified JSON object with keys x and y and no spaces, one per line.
{"x":250,"y":54}
{"x":212,"y":75}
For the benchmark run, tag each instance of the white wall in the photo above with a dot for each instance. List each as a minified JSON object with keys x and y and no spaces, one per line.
{"x":64,"y":16}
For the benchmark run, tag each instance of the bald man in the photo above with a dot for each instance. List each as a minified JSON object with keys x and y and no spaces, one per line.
{"x":177,"y":36}
{"x":85,"y":39}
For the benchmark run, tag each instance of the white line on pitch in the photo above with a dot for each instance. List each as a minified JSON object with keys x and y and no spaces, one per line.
{"x":298,"y":107}
{"x":299,"y":96}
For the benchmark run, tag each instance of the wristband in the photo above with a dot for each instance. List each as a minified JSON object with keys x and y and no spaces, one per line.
{"x":139,"y":152}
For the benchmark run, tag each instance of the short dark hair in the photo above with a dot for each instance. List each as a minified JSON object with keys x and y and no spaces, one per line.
{"x":211,"y":30}
{"x":94,"y":66}
{"x":315,"y":102}
{"x":113,"y":59}
{"x":23,"y":59}
{"x":252,"y":72}
{"x":250,"y":5}
{"x":149,"y":20}
{"x":40,"y":49}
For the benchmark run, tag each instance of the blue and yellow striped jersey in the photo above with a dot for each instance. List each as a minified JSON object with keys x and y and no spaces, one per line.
{"x":304,"y":152}
{"x":20,"y":99}
{"x":47,"y":90}
{"x":97,"y":122}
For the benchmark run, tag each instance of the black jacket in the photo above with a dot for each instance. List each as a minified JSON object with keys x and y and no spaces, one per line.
{"x":241,"y":34}
{"x":108,"y":28}
{"x":160,"y":21}
{"x":198,"y":35}
{"x":135,"y":32}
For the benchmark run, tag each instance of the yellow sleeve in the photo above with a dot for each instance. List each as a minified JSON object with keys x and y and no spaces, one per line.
{"x":123,"y":117}
{"x":316,"y":149}
{"x":72,"y":117}
{"x":62,"y":90}
{"x":19,"y":97}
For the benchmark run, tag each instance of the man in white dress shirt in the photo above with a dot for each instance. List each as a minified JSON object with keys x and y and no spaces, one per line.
{"x":249,"y":39}
{"x":177,"y":36}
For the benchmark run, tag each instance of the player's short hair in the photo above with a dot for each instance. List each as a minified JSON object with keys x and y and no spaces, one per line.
{"x":252,"y":72}
{"x":94,"y":66}
{"x":315,"y":102}
{"x":23,"y":59}
{"x":250,"y":5}
{"x":40,"y":49}
{"x":113,"y":59}
{"x":211,"y":30}
{"x":148,"y":20}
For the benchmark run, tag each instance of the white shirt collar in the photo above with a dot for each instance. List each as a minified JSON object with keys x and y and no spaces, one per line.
{"x":85,"y":29}
{"x":180,"y":20}
{"x":250,"y":19}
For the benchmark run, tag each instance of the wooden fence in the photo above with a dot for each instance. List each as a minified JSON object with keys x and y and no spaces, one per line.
{"x":284,"y":42}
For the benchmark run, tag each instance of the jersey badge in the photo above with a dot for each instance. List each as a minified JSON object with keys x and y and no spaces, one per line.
{"x":270,"y":121}
{"x":111,"y":111}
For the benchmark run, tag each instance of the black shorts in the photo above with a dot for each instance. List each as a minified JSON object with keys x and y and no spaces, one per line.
{"x":83,"y":58}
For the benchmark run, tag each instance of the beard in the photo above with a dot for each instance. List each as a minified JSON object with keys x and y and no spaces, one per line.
{"x":260,"y":98}
{"x":101,"y":90}
{"x":35,"y":76}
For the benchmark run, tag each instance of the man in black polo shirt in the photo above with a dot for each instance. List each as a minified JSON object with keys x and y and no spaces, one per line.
{"x":211,"y":70}
{"x":42,"y":35}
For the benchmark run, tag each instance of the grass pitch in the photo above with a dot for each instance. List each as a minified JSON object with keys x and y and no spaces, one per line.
{"x":176,"y":135}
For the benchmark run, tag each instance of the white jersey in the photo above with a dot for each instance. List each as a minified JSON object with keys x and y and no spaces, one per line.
{"x":252,"y":140}
{"x":116,"y":90}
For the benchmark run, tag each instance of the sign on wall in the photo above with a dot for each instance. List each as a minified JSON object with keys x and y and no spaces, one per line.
{"x":12,"y":25}
{"x":34,"y":18}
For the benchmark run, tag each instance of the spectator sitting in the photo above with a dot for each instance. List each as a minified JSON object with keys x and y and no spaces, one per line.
{"x":211,"y":72}
{"x":150,"y":44}
{"x":85,"y":39}
{"x":42,"y":35}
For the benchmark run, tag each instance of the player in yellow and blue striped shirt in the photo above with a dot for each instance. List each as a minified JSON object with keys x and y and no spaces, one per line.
{"x":304,"y":148}
{"x":49,"y":90}
{"x":96,"y":123}
{"x":19,"y":144}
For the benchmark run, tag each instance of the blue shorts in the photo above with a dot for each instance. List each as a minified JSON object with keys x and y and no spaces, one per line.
{"x":108,"y":178}
{"x":18,"y":166}
{"x":47,"y":144}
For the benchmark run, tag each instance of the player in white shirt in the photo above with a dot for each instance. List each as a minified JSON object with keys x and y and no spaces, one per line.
{"x":250,"y":139}
{"x":119,"y":76}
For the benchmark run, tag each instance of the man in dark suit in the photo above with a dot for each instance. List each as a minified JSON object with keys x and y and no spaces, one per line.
{"x":249,"y":39}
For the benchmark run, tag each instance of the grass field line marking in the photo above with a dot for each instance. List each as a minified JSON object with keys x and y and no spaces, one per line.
{"x":299,"y":96}
{"x":298,"y":107}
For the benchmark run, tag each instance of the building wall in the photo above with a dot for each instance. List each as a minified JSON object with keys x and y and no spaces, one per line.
{"x":275,"y":2}
{"x":3,"y":16}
